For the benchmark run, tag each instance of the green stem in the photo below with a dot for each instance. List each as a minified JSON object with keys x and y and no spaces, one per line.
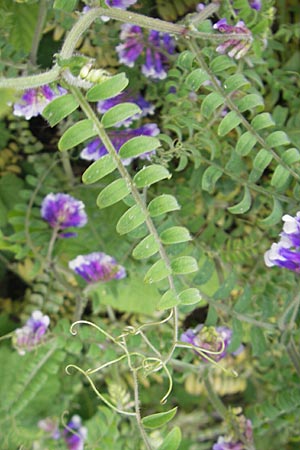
{"x":214,"y":398}
{"x":38,"y":31}
{"x":138,"y":412}
{"x":51,"y":245}
{"x":65,"y":159}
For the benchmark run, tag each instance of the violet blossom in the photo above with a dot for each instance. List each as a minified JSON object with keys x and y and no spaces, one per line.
{"x":97,"y":266}
{"x":75,"y":434}
{"x":209,"y":339}
{"x":255,"y":4}
{"x":235,"y":48}
{"x":231,"y":442}
{"x":50,"y":426}
{"x":32,"y":333}
{"x":153,"y":47}
{"x":95,"y":149}
{"x":63,"y":211}
{"x":34,"y":100}
{"x":286,"y":253}
{"x":126,"y":96}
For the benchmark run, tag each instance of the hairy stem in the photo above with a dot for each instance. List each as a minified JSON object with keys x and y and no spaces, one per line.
{"x":138,"y":412}
{"x":38,"y":31}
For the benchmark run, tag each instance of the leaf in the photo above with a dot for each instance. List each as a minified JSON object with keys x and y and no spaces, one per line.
{"x":168,"y":300}
{"x":195,"y":79}
{"x":211,"y":103}
{"x":222,"y":63}
{"x":291,"y":156}
{"x":157,"y":272}
{"x":277,"y":138}
{"x":65,"y":5}
{"x":147,"y":247}
{"x":275,"y":215}
{"x":184,"y":264}
{"x":258,"y":341}
{"x":113,"y":193}
{"x":162,"y":204}
{"x":158,"y":419}
{"x":150,"y":174}
{"x":131,"y":219}
{"x":236,"y":82}
{"x":260,"y":163}
{"x":175,"y":235}
{"x":190,"y":296}
{"x":172,"y":441}
{"x":60,"y":108}
{"x":244,"y":205}
{"x":23,"y":21}
{"x":108,"y":88}
{"x":138,"y":145}
{"x":210,"y":177}
{"x":250,"y":101}
{"x":261,"y":121}
{"x":99,"y":169}
{"x":185,"y":60}
{"x":245,"y":143}
{"x":76,"y":134}
{"x":281,"y":178}
{"x":230,"y":121}
{"x":119,"y":113}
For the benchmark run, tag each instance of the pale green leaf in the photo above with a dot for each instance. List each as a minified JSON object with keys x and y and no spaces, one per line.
{"x":99,"y":169}
{"x":277,"y":138}
{"x":244,"y":205}
{"x":280,"y":178}
{"x":138,"y":145}
{"x":146,"y":248}
{"x":228,"y":123}
{"x":172,"y":441}
{"x":175,"y":235}
{"x":250,"y":101}
{"x":245,"y":143}
{"x":184,"y":264}
{"x":210,"y":177}
{"x":291,"y":156}
{"x":185,"y":60}
{"x":119,"y":113}
{"x":60,"y":108}
{"x":261,"y":121}
{"x":150,"y":174}
{"x":108,"y":88}
{"x":113,"y":193}
{"x":222,"y":63}
{"x":65,"y":5}
{"x":158,"y":419}
{"x":190,"y":296}
{"x":211,"y":103}
{"x":168,"y":300}
{"x":236,"y":82}
{"x":131,"y":219}
{"x":195,"y":79}
{"x":162,"y":204}
{"x":157,"y":272}
{"x":76,"y":134}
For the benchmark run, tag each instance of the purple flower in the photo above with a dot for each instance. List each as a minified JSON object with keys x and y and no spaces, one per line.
{"x":146,"y":107}
{"x":50,"y":426}
{"x":286,"y":253}
{"x":255,"y":4}
{"x":237,"y":47}
{"x":34,"y":101}
{"x":62,"y":211}
{"x":121,"y":4}
{"x":95,"y":149}
{"x":213,"y":339}
{"x":97,"y":266}
{"x":154,"y":47}
{"x":75,"y":440}
{"x":31,"y":334}
{"x":230,"y":442}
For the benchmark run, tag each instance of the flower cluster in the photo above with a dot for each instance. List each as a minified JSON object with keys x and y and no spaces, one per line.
{"x":28,"y":337}
{"x":212,"y":341}
{"x":286,"y":253}
{"x":97,"y":266}
{"x":63,"y":211}
{"x":230,"y":442}
{"x":74,"y":434}
{"x":35,"y":100}
{"x":235,"y":48}
{"x":95,"y":149}
{"x":154,"y":48}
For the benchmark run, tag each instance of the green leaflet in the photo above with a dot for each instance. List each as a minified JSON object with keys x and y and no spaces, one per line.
{"x":184,"y":264}
{"x":189,"y":296}
{"x":138,"y":145}
{"x":230,"y":121}
{"x":211,"y":103}
{"x":249,"y":102}
{"x":260,"y":163}
{"x":65,"y":5}
{"x":277,"y":138}
{"x":185,"y":60}
{"x":244,"y":205}
{"x":113,"y":193}
{"x":261,"y":121}
{"x":172,"y":441}
{"x":157,"y":272}
{"x":195,"y":79}
{"x":108,"y":88}
{"x":210,"y":177}
{"x":60,"y":108}
{"x":168,"y":300}
{"x":150,"y":175}
{"x":76,"y":134}
{"x":175,"y":235}
{"x":131,"y":219}
{"x":99,"y":169}
{"x":222,"y":63}
{"x":162,"y":204}
{"x":159,"y":419}
{"x":236,"y":82}
{"x":146,"y":248}
{"x":291,"y":156}
{"x":258,"y":341}
{"x":245,"y":143}
{"x":119,"y":113}
{"x":23,"y":21}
